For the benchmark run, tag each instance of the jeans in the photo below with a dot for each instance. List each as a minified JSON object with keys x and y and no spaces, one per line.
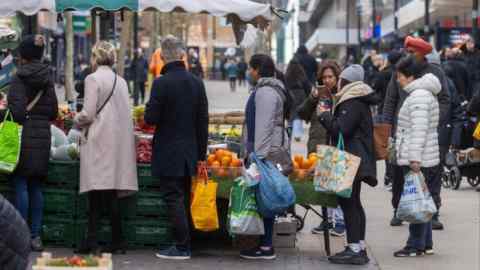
{"x":266,"y":240}
{"x":176,"y":194}
{"x":29,"y":197}
{"x":420,"y":236}
{"x":336,"y":215}
{"x":139,"y":94}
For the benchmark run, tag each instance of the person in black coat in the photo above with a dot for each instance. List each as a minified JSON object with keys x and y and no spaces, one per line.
{"x":178,"y":107}
{"x":139,"y":68}
{"x":15,"y":238}
{"x":33,"y":79}
{"x":352,"y":120}
{"x":308,"y":63}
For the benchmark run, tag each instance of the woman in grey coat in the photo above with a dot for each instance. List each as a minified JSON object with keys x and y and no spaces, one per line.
{"x":266,"y":134}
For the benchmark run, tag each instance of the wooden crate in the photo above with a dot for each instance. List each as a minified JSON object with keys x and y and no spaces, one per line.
{"x":105,"y":263}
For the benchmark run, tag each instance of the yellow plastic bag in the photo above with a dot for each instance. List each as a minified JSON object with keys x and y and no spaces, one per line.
{"x":476,"y":133}
{"x":204,"y":203}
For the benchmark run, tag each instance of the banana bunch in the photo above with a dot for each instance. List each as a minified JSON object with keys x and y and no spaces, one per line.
{"x":138,"y":113}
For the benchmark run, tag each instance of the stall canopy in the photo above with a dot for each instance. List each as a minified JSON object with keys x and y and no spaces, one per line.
{"x":236,"y":10}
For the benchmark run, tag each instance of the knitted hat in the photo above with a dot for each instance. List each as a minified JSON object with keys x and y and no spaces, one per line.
{"x":418,"y":44}
{"x":353,"y":73}
{"x":31,"y":47}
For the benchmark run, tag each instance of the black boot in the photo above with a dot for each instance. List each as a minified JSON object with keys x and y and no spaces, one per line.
{"x":395,"y":222}
{"x":436,"y":224}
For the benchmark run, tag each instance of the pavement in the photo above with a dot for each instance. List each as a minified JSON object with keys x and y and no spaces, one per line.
{"x":457,"y":247}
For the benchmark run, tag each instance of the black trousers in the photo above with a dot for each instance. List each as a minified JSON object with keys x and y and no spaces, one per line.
{"x":139,"y":94}
{"x":97,"y":199}
{"x":176,"y":194}
{"x":354,"y":214}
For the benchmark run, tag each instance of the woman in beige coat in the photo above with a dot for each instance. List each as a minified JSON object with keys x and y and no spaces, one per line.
{"x":107,"y":151}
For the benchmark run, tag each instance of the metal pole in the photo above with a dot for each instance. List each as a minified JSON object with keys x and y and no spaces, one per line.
{"x":359,"y":21}
{"x":475,"y":21}
{"x":347,"y":31}
{"x":135,"y":55}
{"x":395,"y":15}
{"x":374,"y":21}
{"x":427,"y":20}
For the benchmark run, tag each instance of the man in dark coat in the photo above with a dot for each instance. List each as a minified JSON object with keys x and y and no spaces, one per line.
{"x":472,"y":58}
{"x":395,"y":98}
{"x":178,"y":107}
{"x":308,"y":63}
{"x":139,"y":68}
{"x":33,"y":82}
{"x":456,"y":69}
{"x":14,"y":238}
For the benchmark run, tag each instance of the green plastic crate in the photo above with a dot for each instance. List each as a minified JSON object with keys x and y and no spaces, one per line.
{"x":63,"y":174}
{"x":3,"y":178}
{"x":64,"y":202}
{"x":61,"y":232}
{"x":148,"y":232}
{"x":150,"y":204}
{"x":145,"y":178}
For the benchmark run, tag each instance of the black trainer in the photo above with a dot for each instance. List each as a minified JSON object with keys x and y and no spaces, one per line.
{"x":364,"y":254}
{"x":258,"y":254}
{"x":436,"y":224}
{"x":324,"y":226}
{"x":409,"y":252}
{"x":348,"y":256}
{"x":395,"y":222}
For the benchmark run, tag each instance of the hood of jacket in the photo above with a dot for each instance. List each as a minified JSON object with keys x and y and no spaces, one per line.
{"x":428,"y":82}
{"x":270,"y":82}
{"x":356,"y":90}
{"x":36,"y":75}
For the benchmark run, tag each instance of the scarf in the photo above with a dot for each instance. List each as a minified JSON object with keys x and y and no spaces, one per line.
{"x":250,"y":121}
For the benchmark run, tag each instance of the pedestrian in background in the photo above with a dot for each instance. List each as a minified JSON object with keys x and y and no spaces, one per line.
{"x":242,"y":72}
{"x":140,"y":69}
{"x":418,"y":48}
{"x":299,"y":87}
{"x":416,"y":144}
{"x":33,"y":103}
{"x":351,"y":118}
{"x":472,"y":57}
{"x":108,"y":162}
{"x":178,"y":107}
{"x":266,"y":134}
{"x":308,"y":62}
{"x":232,"y":73}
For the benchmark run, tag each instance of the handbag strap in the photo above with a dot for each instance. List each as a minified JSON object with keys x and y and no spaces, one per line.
{"x":35,"y":101}
{"x":341,"y":142}
{"x":109,"y":96}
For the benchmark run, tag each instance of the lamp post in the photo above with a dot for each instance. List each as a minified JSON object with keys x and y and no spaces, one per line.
{"x":475,"y":21}
{"x":427,"y":20}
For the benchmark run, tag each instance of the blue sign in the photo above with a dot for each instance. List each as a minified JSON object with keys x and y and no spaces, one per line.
{"x":377,"y":31}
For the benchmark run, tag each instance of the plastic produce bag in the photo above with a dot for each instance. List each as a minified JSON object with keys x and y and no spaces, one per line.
{"x":58,"y":136}
{"x":274,"y":194}
{"x":336,"y":170}
{"x":67,"y":152}
{"x":10,"y":143}
{"x":204,"y":203}
{"x":416,"y":204}
{"x":74,"y":136}
{"x":243,"y":216}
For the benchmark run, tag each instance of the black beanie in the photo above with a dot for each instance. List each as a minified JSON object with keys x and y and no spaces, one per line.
{"x":31,"y":47}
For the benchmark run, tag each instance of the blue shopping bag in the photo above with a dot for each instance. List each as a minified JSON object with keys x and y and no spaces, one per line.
{"x":274,"y":193}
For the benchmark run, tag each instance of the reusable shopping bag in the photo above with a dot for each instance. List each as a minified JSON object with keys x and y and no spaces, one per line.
{"x":335,"y":170}
{"x":204,"y":203}
{"x":476,"y":133}
{"x":416,"y":204}
{"x":243,"y":216}
{"x":274,"y":193}
{"x":10,"y":142}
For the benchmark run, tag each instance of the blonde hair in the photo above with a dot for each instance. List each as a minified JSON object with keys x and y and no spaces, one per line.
{"x":172,"y":49}
{"x":104,"y":53}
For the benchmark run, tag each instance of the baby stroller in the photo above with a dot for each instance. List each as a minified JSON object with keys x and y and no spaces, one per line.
{"x":460,"y":164}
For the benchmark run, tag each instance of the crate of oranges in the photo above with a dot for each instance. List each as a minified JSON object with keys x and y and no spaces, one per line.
{"x":224,"y":165}
{"x":304,"y":167}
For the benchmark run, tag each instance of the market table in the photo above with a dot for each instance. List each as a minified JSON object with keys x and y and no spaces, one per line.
{"x":306,"y":196}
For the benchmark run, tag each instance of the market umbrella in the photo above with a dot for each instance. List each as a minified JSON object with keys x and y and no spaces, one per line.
{"x":245,"y":11}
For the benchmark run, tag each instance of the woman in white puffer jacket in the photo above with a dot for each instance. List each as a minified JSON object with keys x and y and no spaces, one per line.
{"x":417,"y":142}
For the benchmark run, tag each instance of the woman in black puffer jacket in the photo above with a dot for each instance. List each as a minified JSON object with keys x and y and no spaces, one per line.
{"x":33,"y":79}
{"x":14,"y":238}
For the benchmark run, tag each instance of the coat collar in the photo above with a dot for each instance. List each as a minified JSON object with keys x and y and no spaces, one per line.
{"x":173,"y":66}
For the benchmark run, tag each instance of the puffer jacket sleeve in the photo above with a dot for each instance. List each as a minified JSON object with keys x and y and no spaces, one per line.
{"x":266,"y":104}
{"x":420,"y":108}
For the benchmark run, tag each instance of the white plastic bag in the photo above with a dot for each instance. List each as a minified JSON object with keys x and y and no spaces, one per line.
{"x":243,"y":217}
{"x":58,"y":137}
{"x":416,"y":204}
{"x":74,"y":136}
{"x":66,"y":152}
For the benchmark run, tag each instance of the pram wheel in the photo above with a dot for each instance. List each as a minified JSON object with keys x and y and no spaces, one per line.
{"x":455,"y":178}
{"x":474,"y":181}
{"x":446,"y":180}
{"x":300,"y":222}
